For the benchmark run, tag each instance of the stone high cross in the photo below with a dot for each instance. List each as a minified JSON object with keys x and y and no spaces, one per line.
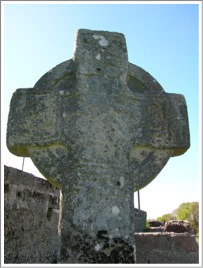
{"x":99,"y":128}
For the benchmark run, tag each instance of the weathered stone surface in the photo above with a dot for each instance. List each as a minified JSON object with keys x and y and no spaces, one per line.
{"x":140,"y":220}
{"x":178,"y":227}
{"x":166,"y":248}
{"x":99,"y":128}
{"x":31,"y":213}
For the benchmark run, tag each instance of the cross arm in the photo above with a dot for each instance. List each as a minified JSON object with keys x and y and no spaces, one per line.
{"x":33,"y":120}
{"x":165,"y":133}
{"x":165,"y":122}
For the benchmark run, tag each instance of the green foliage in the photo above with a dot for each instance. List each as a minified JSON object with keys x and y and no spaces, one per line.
{"x":189,"y":211}
{"x":167,"y":217}
{"x":182,"y":211}
{"x":197,"y":238}
{"x":186,"y":211}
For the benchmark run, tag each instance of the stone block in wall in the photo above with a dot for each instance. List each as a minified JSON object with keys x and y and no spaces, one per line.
{"x":178,"y":226}
{"x":178,"y":248}
{"x":31,"y":212}
{"x":140,"y":220}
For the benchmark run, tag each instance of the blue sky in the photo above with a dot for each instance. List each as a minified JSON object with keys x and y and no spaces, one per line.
{"x":161,"y":38}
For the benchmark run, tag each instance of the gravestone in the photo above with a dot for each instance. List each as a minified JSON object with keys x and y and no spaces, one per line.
{"x":99,"y":128}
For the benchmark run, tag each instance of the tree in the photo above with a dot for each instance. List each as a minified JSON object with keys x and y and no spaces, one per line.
{"x":167,"y":217}
{"x":189,"y":211}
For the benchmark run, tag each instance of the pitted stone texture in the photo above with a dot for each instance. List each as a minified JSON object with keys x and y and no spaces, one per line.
{"x":53,"y":115}
{"x":101,"y":54}
{"x":178,"y":227}
{"x":166,"y":248}
{"x":31,"y":212}
{"x":99,"y":128}
{"x":100,"y":249}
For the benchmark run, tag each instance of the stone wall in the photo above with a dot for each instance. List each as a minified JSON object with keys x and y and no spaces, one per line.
{"x":140,"y":220}
{"x":166,"y":247}
{"x":31,"y":211}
